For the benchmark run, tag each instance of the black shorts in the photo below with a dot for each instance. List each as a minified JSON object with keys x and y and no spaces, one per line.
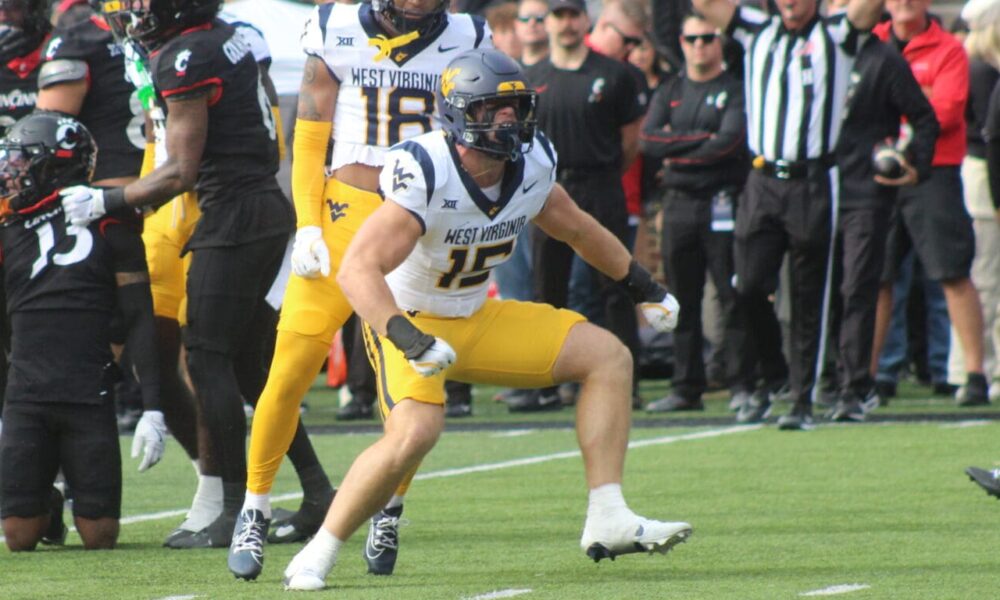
{"x":226,"y":291}
{"x":40,"y":438}
{"x":931,"y":218}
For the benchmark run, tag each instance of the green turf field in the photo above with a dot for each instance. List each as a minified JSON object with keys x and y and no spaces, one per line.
{"x":775,"y":515}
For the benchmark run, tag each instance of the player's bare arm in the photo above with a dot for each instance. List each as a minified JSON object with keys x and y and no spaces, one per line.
{"x":563,"y":220}
{"x":630,"y":143}
{"x":66,"y":97}
{"x":318,"y":92}
{"x":864,"y":14}
{"x":381,"y":245}
{"x":187,"y":127}
{"x":716,"y":12}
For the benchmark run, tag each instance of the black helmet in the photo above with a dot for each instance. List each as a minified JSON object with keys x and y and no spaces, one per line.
{"x":405,"y":21}
{"x":153,"y":22}
{"x":41,"y":154}
{"x":23,"y":35}
{"x":491,"y":79}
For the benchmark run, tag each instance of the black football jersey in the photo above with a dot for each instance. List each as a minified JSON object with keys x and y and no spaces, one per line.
{"x":237,"y":191}
{"x":60,"y":295}
{"x":111,"y":110}
{"x":18,"y":88}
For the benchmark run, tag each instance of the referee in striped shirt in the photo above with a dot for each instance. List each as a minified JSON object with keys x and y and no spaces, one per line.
{"x":797,"y":66}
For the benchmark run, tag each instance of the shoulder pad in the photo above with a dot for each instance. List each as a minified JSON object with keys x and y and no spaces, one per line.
{"x":61,"y":71}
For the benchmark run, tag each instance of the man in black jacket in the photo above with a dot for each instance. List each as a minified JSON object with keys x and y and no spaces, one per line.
{"x":697,"y":126}
{"x":883,"y":91}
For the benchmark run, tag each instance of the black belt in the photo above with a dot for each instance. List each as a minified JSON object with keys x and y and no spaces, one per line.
{"x":792,"y":169}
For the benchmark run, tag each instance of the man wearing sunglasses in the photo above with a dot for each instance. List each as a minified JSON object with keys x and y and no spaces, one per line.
{"x":530,"y":31}
{"x":697,"y":127}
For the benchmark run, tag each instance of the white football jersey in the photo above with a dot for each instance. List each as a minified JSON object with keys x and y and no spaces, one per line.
{"x":466,"y":233}
{"x":387,"y":86}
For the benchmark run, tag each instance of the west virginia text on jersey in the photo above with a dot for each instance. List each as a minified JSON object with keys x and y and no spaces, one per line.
{"x":387,"y":86}
{"x":466,"y":232}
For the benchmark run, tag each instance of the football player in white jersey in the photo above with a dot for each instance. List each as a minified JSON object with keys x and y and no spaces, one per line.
{"x":417,"y":272}
{"x":369,"y":80}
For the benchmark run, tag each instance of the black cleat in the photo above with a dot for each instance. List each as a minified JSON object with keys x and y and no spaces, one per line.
{"x":246,"y":551}
{"x":301,"y":525}
{"x":985,"y":479}
{"x":55,"y":533}
{"x":535,"y":401}
{"x":355,"y":410}
{"x":382,"y":546}
{"x":185,"y":539}
{"x":457,"y":410}
{"x":675,"y":403}
{"x":756,"y":409}
{"x":800,"y":418}
{"x":848,"y":409}
{"x":975,"y":392}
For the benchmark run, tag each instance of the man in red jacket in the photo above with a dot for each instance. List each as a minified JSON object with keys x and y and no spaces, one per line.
{"x":931,"y":216}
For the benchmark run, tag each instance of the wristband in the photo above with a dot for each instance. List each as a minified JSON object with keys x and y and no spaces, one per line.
{"x":405,"y":336}
{"x":640,"y":286}
{"x":114,"y":199}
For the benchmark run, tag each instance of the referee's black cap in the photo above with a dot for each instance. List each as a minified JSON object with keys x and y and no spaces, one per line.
{"x":577,"y":5}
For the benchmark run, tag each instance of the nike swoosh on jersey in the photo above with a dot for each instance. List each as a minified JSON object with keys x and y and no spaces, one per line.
{"x":446,"y":48}
{"x":525,"y":188}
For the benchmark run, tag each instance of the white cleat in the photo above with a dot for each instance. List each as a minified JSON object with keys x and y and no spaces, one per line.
{"x":301,"y":576}
{"x":630,"y":534}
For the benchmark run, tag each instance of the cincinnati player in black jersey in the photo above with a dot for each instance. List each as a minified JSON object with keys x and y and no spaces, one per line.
{"x":24,"y":27}
{"x":63,"y":282}
{"x":221,"y":142}
{"x":82,"y":74}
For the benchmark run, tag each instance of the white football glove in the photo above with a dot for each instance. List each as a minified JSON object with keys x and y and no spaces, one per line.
{"x":310,"y":257}
{"x":662,"y":316}
{"x":150,"y":437}
{"x":82,"y":204}
{"x":438,"y":357}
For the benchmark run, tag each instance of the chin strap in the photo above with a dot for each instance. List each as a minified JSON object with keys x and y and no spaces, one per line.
{"x":387,"y":45}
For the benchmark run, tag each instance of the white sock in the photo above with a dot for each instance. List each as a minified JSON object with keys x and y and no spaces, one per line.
{"x":206,"y":505}
{"x":261,"y":502}
{"x":395,"y":501}
{"x":322,"y":550}
{"x":606,"y":500}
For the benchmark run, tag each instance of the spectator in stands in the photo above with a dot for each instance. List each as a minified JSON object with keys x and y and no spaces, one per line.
{"x":530,"y":30}
{"x":983,"y":47}
{"x":931,"y":217}
{"x":501,"y":19}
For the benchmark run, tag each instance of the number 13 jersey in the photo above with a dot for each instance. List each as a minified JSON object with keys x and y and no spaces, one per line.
{"x":387,"y":86}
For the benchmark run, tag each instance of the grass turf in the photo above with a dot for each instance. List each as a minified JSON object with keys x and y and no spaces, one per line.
{"x":775,"y":515}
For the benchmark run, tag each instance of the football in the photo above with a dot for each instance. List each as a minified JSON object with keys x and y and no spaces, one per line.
{"x":887,"y":160}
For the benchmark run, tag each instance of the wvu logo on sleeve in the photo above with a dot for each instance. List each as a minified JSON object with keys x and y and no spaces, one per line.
{"x":399,"y":178}
{"x":337,"y":210}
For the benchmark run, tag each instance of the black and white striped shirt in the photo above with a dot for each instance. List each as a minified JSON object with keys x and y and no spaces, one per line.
{"x":796,"y":82}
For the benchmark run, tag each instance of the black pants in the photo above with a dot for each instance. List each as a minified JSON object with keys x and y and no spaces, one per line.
{"x":689,"y":247}
{"x":601,"y":196}
{"x":775,"y":217}
{"x":859,"y":255}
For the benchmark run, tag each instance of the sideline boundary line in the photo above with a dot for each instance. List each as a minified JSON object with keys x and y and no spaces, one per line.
{"x":485,"y":467}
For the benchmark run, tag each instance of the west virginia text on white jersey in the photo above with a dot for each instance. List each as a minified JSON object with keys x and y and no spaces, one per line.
{"x":465,"y":232}
{"x":387,"y":86}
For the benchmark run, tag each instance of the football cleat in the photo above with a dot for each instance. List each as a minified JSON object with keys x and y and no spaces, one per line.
{"x":246,"y":551}
{"x":382,"y":546}
{"x":183,"y":539}
{"x":988,"y":480}
{"x":55,"y":533}
{"x":630,"y":535}
{"x":302,"y":576}
{"x":301,"y":525}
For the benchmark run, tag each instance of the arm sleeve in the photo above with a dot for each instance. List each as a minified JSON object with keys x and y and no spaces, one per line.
{"x":950,"y":90}
{"x":746,"y":24}
{"x":135,"y":301}
{"x":309,"y":170}
{"x":658,"y":144}
{"x":728,"y":140}
{"x":909,"y":100}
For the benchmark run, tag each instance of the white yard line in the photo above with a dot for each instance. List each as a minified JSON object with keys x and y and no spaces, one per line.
{"x":500,"y":594}
{"x":183,"y":597}
{"x":964,"y":424}
{"x":513,"y":433}
{"x":834,"y":590}
{"x":486,"y":467}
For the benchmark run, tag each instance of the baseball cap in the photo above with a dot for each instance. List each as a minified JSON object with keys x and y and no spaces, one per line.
{"x":577,"y":5}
